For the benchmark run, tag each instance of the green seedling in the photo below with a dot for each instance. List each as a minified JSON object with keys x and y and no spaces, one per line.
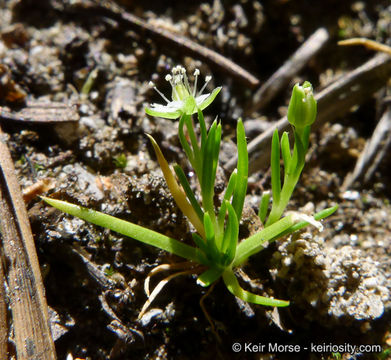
{"x":120,"y":161}
{"x":385,"y":354}
{"x":89,"y":83}
{"x":336,"y":356}
{"x":217,"y":252}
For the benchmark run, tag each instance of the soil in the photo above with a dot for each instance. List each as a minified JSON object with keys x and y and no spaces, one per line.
{"x":338,"y":281}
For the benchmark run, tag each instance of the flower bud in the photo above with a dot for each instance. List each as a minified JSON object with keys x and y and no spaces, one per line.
{"x":302,"y":106}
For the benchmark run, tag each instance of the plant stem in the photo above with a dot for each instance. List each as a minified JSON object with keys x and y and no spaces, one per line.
{"x":286,"y":193}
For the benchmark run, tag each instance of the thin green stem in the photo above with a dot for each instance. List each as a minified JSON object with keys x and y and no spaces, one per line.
{"x":286,"y":193}
{"x":182,"y":138}
{"x":194,"y":144}
{"x":201,"y":120}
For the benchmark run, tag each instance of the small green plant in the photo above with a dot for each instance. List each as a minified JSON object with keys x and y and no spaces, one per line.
{"x":217,"y":251}
{"x":120,"y":161}
{"x":38,"y":167}
{"x":385,"y":354}
{"x":336,"y":356}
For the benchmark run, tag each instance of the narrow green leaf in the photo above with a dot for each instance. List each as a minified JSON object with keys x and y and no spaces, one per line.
{"x":176,"y":191}
{"x":212,"y":251}
{"x":207,"y":181}
{"x":255,"y":243}
{"x":264,"y":205}
{"x":203,"y":253}
{"x":275,"y":168}
{"x":201,"y":120}
{"x":216,"y":151}
{"x":231,"y":234}
{"x":200,"y":242}
{"x":242,"y":167}
{"x":209,"y":276}
{"x":209,"y":229}
{"x":190,"y":195}
{"x":286,"y":150}
{"x":302,"y":224}
{"x":126,"y":228}
{"x":227,"y":196}
{"x":231,"y":185}
{"x":220,"y":223}
{"x":182,"y":138}
{"x":207,"y":154}
{"x":232,"y":284}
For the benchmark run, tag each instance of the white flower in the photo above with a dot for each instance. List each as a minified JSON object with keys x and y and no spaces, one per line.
{"x":185,"y":101}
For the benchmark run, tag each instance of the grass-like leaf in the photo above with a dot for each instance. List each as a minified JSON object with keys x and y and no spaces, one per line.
{"x":242,"y":168}
{"x":201,"y":244}
{"x":176,"y":191}
{"x":264,"y":205}
{"x":275,"y":167}
{"x":254,"y":243}
{"x":286,"y":150}
{"x":232,"y":284}
{"x":126,"y":228}
{"x":208,"y":170}
{"x":231,"y":234}
{"x":209,"y":276}
{"x":227,"y":196}
{"x":302,"y":224}
{"x":213,"y":252}
{"x":190,"y":195}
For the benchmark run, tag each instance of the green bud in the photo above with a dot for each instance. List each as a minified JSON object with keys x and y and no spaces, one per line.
{"x":302,"y":106}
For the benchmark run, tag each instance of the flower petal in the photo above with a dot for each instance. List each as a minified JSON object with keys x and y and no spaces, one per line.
{"x":172,"y":110}
{"x":203,"y":103}
{"x":164,"y":115}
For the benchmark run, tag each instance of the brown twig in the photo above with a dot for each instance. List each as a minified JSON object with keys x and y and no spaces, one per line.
{"x":374,"y":151}
{"x":336,"y":100}
{"x":369,"y":44}
{"x":109,"y":10}
{"x":27,"y":299}
{"x":3,"y":313}
{"x":38,"y":112}
{"x":287,"y":71}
